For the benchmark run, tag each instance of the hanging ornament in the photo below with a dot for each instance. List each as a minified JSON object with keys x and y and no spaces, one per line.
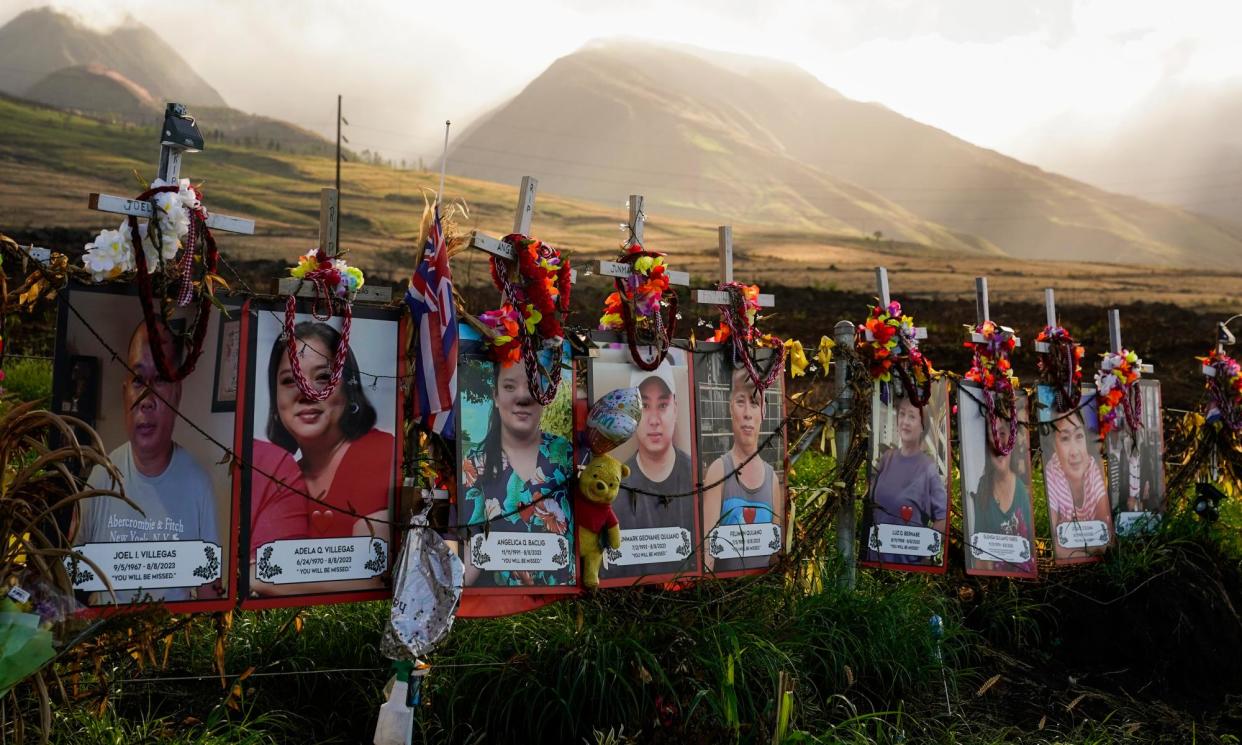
{"x":991,"y":369}
{"x":535,"y":289}
{"x":888,"y":344}
{"x":1061,"y":367}
{"x":1116,"y":392}
{"x":737,"y":324}
{"x":335,"y":282}
{"x":643,"y":302}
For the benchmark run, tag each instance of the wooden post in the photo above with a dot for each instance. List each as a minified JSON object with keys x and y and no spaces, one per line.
{"x":982,"y":313}
{"x":847,"y":539}
{"x":328,"y":221}
{"x":637,"y":218}
{"x":1050,"y":307}
{"x":881,"y":285}
{"x":526,"y":205}
{"x":725,"y":242}
{"x":1114,"y":330}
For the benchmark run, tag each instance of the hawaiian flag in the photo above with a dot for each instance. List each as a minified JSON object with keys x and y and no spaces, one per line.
{"x":430,"y":298}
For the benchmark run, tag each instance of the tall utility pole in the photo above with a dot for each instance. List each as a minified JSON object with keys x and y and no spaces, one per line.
{"x":337,"y":237}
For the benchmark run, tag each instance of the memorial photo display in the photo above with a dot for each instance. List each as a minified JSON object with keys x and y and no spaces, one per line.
{"x":996,"y":489}
{"x":906,"y":515}
{"x":744,"y":497}
{"x":516,"y":456}
{"x":173,"y":544}
{"x":321,"y":483}
{"x":1136,"y":465}
{"x":658,"y":534}
{"x":1080,"y":519}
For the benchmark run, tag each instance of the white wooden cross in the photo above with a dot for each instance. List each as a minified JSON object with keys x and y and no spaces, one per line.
{"x":329,"y":216}
{"x":881,"y":288}
{"x":172,"y":145}
{"x":622,"y":270}
{"x":1050,"y":317}
{"x":1114,"y":337}
{"x":716,"y":297}
{"x":1224,"y":338}
{"x":522,"y":218}
{"x":983,"y":313}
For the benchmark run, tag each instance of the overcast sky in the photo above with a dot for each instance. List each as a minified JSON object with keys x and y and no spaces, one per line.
{"x":993,"y":72}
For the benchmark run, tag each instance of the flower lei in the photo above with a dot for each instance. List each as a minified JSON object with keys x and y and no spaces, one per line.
{"x":991,"y":369}
{"x":894,"y":348}
{"x":1115,"y":381}
{"x":180,"y":219}
{"x":1225,"y":388}
{"x":1061,"y":367}
{"x":333,"y":280}
{"x":737,"y":323}
{"x":642,"y":294}
{"x":532,"y":313}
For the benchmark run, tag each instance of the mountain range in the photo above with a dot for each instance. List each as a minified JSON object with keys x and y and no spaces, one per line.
{"x":709,"y":134}
{"x":705,"y":136}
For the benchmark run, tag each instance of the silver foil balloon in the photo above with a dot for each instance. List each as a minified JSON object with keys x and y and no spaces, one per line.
{"x":425,"y":595}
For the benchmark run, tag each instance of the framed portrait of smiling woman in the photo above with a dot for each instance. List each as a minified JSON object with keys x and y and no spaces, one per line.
{"x":1079,"y":514}
{"x":513,"y":508}
{"x":171,"y":542}
{"x":320,"y":473}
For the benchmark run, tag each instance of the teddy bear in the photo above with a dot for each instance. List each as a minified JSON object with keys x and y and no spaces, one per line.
{"x":598,"y":527}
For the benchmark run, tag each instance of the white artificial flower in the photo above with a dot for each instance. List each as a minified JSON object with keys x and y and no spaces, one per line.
{"x":108,"y":255}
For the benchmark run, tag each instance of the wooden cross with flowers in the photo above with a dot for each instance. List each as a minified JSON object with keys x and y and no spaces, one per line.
{"x":638,"y":219}
{"x":1116,"y":382}
{"x":889,"y":345}
{"x":178,"y":136}
{"x":329,"y":216}
{"x":717,"y":297}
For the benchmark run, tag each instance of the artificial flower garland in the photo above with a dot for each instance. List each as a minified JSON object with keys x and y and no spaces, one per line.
{"x":1225,"y":387}
{"x":893,"y":348}
{"x":178,"y":213}
{"x":533,"y":311}
{"x":334,"y":281}
{"x":1115,"y":382}
{"x":1061,"y":367}
{"x":737,"y":323}
{"x":637,"y":303}
{"x":991,"y":369}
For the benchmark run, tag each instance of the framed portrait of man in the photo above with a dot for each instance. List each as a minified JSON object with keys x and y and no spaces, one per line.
{"x":658,"y":507}
{"x":996,"y":486}
{"x":906,"y":513}
{"x":741,"y":458}
{"x":170,"y":542}
{"x":320,"y":426}
{"x":1080,"y":518}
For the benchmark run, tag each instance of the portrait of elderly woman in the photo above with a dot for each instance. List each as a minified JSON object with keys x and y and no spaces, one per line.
{"x":1078,"y":508}
{"x":321,"y":469}
{"x":908,"y":489}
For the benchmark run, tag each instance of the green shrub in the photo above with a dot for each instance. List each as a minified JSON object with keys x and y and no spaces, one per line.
{"x":28,"y":378}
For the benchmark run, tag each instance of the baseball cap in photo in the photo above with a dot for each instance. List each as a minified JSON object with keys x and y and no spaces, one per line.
{"x":663,"y":373}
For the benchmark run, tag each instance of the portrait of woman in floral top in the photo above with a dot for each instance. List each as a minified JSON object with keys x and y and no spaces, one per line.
{"x":517,"y":481}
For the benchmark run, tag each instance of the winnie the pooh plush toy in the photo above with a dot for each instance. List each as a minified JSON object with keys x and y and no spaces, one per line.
{"x":598,"y":527}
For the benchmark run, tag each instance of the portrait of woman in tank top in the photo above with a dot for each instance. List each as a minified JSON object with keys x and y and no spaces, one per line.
{"x":750,"y":492}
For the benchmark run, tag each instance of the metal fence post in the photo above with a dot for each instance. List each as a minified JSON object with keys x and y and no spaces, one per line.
{"x":847,"y":539}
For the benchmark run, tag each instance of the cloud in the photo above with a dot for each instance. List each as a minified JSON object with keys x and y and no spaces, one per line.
{"x":987,"y":71}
